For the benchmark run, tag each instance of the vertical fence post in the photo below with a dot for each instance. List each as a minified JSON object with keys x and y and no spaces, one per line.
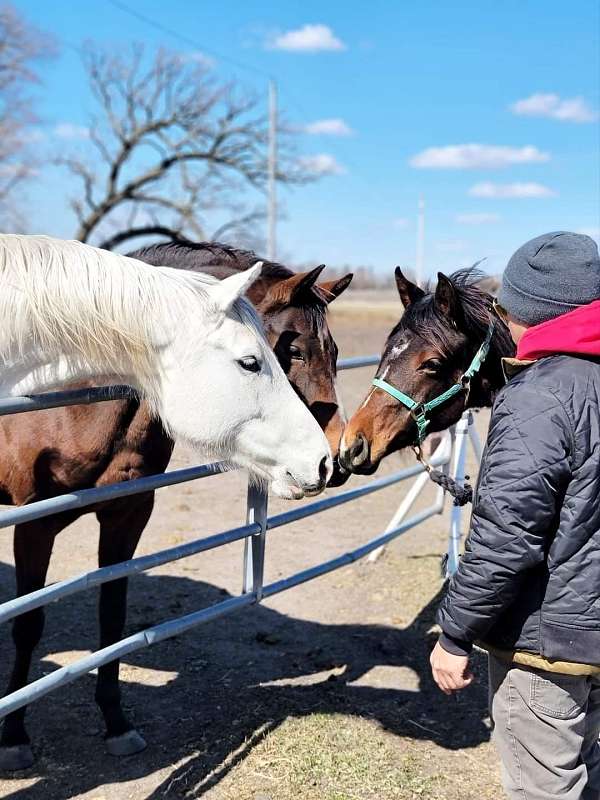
{"x":413,"y":493}
{"x":474,"y":438}
{"x":458,"y":474}
{"x":254,"y":546}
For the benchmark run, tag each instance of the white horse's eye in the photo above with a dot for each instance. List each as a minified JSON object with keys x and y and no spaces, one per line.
{"x":250,"y":364}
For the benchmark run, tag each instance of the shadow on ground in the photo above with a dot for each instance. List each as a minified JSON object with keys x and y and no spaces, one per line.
{"x":212,"y":705}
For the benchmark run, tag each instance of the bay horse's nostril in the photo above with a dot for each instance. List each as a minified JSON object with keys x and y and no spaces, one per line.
{"x":358,"y":450}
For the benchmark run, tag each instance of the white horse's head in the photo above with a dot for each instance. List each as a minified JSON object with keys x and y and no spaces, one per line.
{"x":193,"y":346}
{"x":225,"y":392}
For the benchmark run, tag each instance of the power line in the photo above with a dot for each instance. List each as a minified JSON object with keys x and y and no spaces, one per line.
{"x":186,"y":39}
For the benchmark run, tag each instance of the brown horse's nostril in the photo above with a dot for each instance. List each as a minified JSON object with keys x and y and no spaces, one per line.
{"x":358,"y":450}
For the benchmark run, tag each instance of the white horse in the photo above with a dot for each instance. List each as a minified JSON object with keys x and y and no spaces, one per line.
{"x":193,"y":346}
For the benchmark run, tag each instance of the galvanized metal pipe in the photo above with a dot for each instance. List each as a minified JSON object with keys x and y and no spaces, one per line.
{"x":175,"y":627}
{"x":71,"y":397}
{"x":87,"y":497}
{"x":49,"y":594}
{"x":350,"y":494}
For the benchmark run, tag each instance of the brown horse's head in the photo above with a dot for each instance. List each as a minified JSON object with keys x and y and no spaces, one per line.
{"x":425,"y":354}
{"x":294,"y":312}
{"x":293,"y":308}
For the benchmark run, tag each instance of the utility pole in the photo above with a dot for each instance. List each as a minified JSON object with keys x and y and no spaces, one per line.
{"x":272,"y":174}
{"x":420,"y":242}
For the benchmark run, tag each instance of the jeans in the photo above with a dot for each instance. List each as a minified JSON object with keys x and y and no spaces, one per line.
{"x":546,"y":731}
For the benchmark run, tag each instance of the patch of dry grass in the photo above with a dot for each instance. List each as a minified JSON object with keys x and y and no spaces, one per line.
{"x":330,"y":757}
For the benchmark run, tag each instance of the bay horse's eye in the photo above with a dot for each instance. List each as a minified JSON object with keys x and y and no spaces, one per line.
{"x":431,"y":365}
{"x":295,"y":352}
{"x":250,"y":364}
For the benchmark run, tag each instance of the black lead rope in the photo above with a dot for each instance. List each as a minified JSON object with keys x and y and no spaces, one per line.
{"x":461,"y":494}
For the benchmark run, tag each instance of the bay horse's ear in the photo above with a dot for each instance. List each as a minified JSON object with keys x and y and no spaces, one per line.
{"x":333,"y":289}
{"x":446,"y":300}
{"x":291,"y":289}
{"x":409,"y":292}
{"x":224,"y":293}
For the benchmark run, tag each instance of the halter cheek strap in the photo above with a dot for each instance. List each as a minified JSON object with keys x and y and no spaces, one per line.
{"x":419,"y":411}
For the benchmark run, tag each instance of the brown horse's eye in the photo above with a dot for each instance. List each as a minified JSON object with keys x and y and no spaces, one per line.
{"x":431,"y":365}
{"x":295,"y":352}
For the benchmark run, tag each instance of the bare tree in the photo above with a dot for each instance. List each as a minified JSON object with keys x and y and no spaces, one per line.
{"x":170,"y":149}
{"x":21,"y":47}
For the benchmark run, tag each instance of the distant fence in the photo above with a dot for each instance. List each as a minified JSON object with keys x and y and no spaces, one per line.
{"x":450,"y":455}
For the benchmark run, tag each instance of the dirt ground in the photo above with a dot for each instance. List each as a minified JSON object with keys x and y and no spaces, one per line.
{"x":322,"y":692}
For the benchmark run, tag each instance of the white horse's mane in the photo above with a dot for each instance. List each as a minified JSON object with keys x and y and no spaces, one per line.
{"x":96,"y":307}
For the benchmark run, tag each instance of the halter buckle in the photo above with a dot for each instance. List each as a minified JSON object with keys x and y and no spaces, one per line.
{"x":417,"y":411}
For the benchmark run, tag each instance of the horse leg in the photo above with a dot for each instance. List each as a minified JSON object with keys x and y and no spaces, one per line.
{"x":120,"y":529}
{"x":33,"y":542}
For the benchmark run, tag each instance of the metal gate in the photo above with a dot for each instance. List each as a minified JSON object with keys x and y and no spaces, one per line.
{"x":450,"y":456}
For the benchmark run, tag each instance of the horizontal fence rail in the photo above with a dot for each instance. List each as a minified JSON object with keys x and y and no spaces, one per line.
{"x":253,"y":533}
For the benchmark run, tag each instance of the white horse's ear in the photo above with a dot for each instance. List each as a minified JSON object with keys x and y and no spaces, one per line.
{"x":226,"y":292}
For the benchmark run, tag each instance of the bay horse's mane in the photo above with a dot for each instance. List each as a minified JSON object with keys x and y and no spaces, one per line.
{"x":195,"y":256}
{"x":424,"y":319}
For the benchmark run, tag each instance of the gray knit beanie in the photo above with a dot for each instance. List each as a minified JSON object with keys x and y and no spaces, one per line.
{"x":549,"y":276}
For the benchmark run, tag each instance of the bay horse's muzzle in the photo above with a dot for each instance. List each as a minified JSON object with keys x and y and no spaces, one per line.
{"x":355,"y":457}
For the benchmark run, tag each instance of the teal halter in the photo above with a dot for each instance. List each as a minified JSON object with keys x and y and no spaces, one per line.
{"x":419,"y":411}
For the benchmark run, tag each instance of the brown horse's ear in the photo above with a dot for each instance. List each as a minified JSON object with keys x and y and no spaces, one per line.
{"x":287,"y":291}
{"x":333,"y":289}
{"x":409,"y":292}
{"x":446,"y":300}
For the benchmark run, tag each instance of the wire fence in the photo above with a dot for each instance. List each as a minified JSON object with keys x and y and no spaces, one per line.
{"x":449,"y":455}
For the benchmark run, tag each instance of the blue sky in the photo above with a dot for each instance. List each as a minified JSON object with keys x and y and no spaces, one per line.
{"x":410,"y":81}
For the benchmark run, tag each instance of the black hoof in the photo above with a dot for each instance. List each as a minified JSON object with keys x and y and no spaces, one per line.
{"x":127,"y":744}
{"x":19,"y":756}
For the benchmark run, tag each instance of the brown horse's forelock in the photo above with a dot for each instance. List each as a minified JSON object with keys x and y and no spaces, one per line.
{"x":423,"y":319}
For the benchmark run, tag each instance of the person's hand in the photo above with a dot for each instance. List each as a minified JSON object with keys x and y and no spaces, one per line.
{"x":451,"y":673}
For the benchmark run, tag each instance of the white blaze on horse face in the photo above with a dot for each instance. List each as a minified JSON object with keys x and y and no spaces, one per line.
{"x":396,"y":351}
{"x":228,"y":395}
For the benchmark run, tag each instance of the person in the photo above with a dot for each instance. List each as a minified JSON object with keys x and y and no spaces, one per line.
{"x":528,"y":585}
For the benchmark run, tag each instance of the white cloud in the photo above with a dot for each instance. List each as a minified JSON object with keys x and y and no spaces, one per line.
{"x":507,"y":190}
{"x":477,"y":218}
{"x":199,"y":58}
{"x":572,"y":109}
{"x":476,"y":156}
{"x":401,"y":222}
{"x":67,"y":130}
{"x":322,"y":164}
{"x":307,"y":39}
{"x":329,"y":127}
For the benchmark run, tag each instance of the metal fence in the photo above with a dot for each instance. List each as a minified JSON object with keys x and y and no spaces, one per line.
{"x":450,"y":455}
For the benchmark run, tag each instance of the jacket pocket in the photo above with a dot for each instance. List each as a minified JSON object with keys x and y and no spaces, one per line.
{"x":558,"y":696}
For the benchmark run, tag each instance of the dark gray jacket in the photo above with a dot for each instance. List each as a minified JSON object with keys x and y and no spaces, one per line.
{"x":530,"y":576}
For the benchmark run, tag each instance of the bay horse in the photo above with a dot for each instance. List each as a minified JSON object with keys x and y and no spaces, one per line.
{"x":426,"y":353}
{"x":75,"y":447}
{"x":196,"y":350}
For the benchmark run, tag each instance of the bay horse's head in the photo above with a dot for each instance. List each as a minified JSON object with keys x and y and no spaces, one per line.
{"x":427,"y":352}
{"x":293,"y":308}
{"x":294,"y":313}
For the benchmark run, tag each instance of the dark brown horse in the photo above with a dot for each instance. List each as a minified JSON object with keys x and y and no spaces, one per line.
{"x":46,"y":453}
{"x":425,"y":354}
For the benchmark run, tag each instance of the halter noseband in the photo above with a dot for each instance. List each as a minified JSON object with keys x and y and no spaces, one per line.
{"x":419,"y":411}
